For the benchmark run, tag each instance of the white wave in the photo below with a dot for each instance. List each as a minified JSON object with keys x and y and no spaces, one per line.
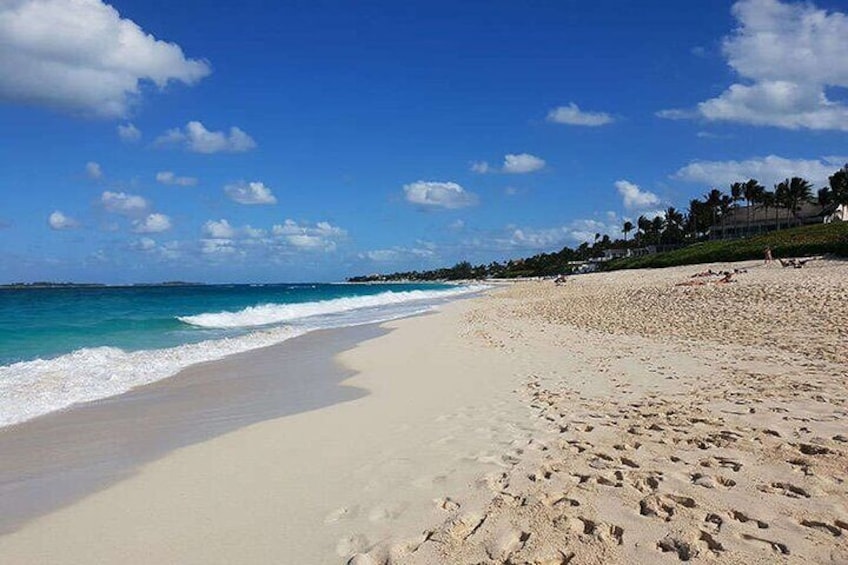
{"x":266,"y":314}
{"x":33,"y":388}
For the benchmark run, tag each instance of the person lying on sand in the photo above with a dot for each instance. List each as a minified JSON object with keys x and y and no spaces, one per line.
{"x":727,"y":278}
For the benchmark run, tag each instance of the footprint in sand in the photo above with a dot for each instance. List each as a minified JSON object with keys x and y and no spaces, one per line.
{"x":743,"y":518}
{"x":775,"y":546}
{"x":352,"y":544}
{"x":342,"y":513}
{"x":831,"y":529}
{"x":447,"y":504}
{"x":786,"y":489}
{"x":664,"y":506}
{"x":708,"y":481}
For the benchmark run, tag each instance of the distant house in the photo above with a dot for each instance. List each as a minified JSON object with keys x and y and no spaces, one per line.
{"x":749,"y":220}
{"x":618,"y":253}
{"x":838,"y":214}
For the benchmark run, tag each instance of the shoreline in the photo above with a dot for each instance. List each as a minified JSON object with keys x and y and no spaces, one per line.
{"x":107,"y":440}
{"x":616,"y":418}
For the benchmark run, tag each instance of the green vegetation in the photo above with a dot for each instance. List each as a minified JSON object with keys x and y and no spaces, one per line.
{"x":817,"y":239}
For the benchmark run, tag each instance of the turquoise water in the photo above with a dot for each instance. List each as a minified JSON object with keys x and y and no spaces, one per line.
{"x":59,"y":346}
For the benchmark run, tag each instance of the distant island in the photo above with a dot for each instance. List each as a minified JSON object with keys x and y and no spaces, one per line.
{"x":45,"y":284}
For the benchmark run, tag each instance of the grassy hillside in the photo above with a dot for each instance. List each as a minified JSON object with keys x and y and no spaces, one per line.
{"x":818,"y":239}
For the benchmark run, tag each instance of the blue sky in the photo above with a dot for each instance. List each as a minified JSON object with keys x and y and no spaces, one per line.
{"x":223,"y":142}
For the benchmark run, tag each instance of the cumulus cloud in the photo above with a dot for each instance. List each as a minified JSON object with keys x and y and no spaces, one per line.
{"x":168,"y":177}
{"x":250,"y":193}
{"x":220,"y":229}
{"x":129,"y":133}
{"x":123,"y":203}
{"x":634,"y":198}
{"x":82,"y":56}
{"x":572,"y":115}
{"x":59,"y":221}
{"x":788,"y":55}
{"x":195,"y":137}
{"x":434,"y":194}
{"x":93,"y":170}
{"x":768,"y":170}
{"x":522,"y":163}
{"x":152,"y":223}
{"x":323,"y":236}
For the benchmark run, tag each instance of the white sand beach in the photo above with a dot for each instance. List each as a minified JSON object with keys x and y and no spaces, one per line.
{"x":617,"y":418}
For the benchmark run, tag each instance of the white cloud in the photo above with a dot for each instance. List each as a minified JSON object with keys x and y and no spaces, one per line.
{"x":93,"y":170}
{"x":323,"y":236}
{"x":550,"y":239}
{"x":481,"y":167}
{"x":250,"y":193}
{"x":129,"y":133}
{"x":198,"y":139}
{"x":59,"y":221}
{"x":522,"y":163}
{"x":635,"y":198}
{"x":790,"y":54}
{"x":253,"y":233}
{"x":152,"y":223}
{"x":168,"y":177}
{"x":768,"y":170}
{"x":219,"y":230}
{"x":396,"y":254}
{"x":123,"y":203}
{"x":434,"y":194}
{"x":81,"y":56}
{"x":572,"y":115}
{"x":146,"y":244}
{"x":219,"y":247}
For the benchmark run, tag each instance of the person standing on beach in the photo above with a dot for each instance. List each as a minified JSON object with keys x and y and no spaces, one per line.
{"x":769,"y":258}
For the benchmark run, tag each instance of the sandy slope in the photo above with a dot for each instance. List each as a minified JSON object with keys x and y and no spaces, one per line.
{"x":615,"y":419}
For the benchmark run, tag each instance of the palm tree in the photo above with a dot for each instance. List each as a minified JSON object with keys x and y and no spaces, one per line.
{"x":780,"y":199}
{"x":838,"y":183}
{"x":673,"y":223}
{"x":657,"y":225}
{"x":797,"y":191}
{"x":752,"y":192}
{"x":627,"y":228}
{"x":644,"y":225}
{"x":713,"y":200}
{"x":737,"y":189}
{"x":768,"y":200}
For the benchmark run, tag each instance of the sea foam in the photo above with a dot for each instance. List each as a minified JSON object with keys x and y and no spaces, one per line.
{"x":29,"y":389}
{"x":268,"y":314}
{"x":32,"y":388}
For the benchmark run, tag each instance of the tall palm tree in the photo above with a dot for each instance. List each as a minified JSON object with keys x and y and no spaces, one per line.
{"x":627,"y":228}
{"x":713,"y":201}
{"x":657,"y":225}
{"x":768,"y":200}
{"x":797,"y":191}
{"x":838,"y":183}
{"x":644,"y":225}
{"x":752,"y":191}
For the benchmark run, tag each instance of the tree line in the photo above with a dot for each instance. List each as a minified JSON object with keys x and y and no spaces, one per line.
{"x":672,"y":227}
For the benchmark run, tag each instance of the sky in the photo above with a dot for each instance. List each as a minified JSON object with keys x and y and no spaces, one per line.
{"x":204,"y":141}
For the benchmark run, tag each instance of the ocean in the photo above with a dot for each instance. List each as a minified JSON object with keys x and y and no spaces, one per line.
{"x":65,"y":345}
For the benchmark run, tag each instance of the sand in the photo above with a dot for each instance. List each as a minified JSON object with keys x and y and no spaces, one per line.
{"x":617,"y":418}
